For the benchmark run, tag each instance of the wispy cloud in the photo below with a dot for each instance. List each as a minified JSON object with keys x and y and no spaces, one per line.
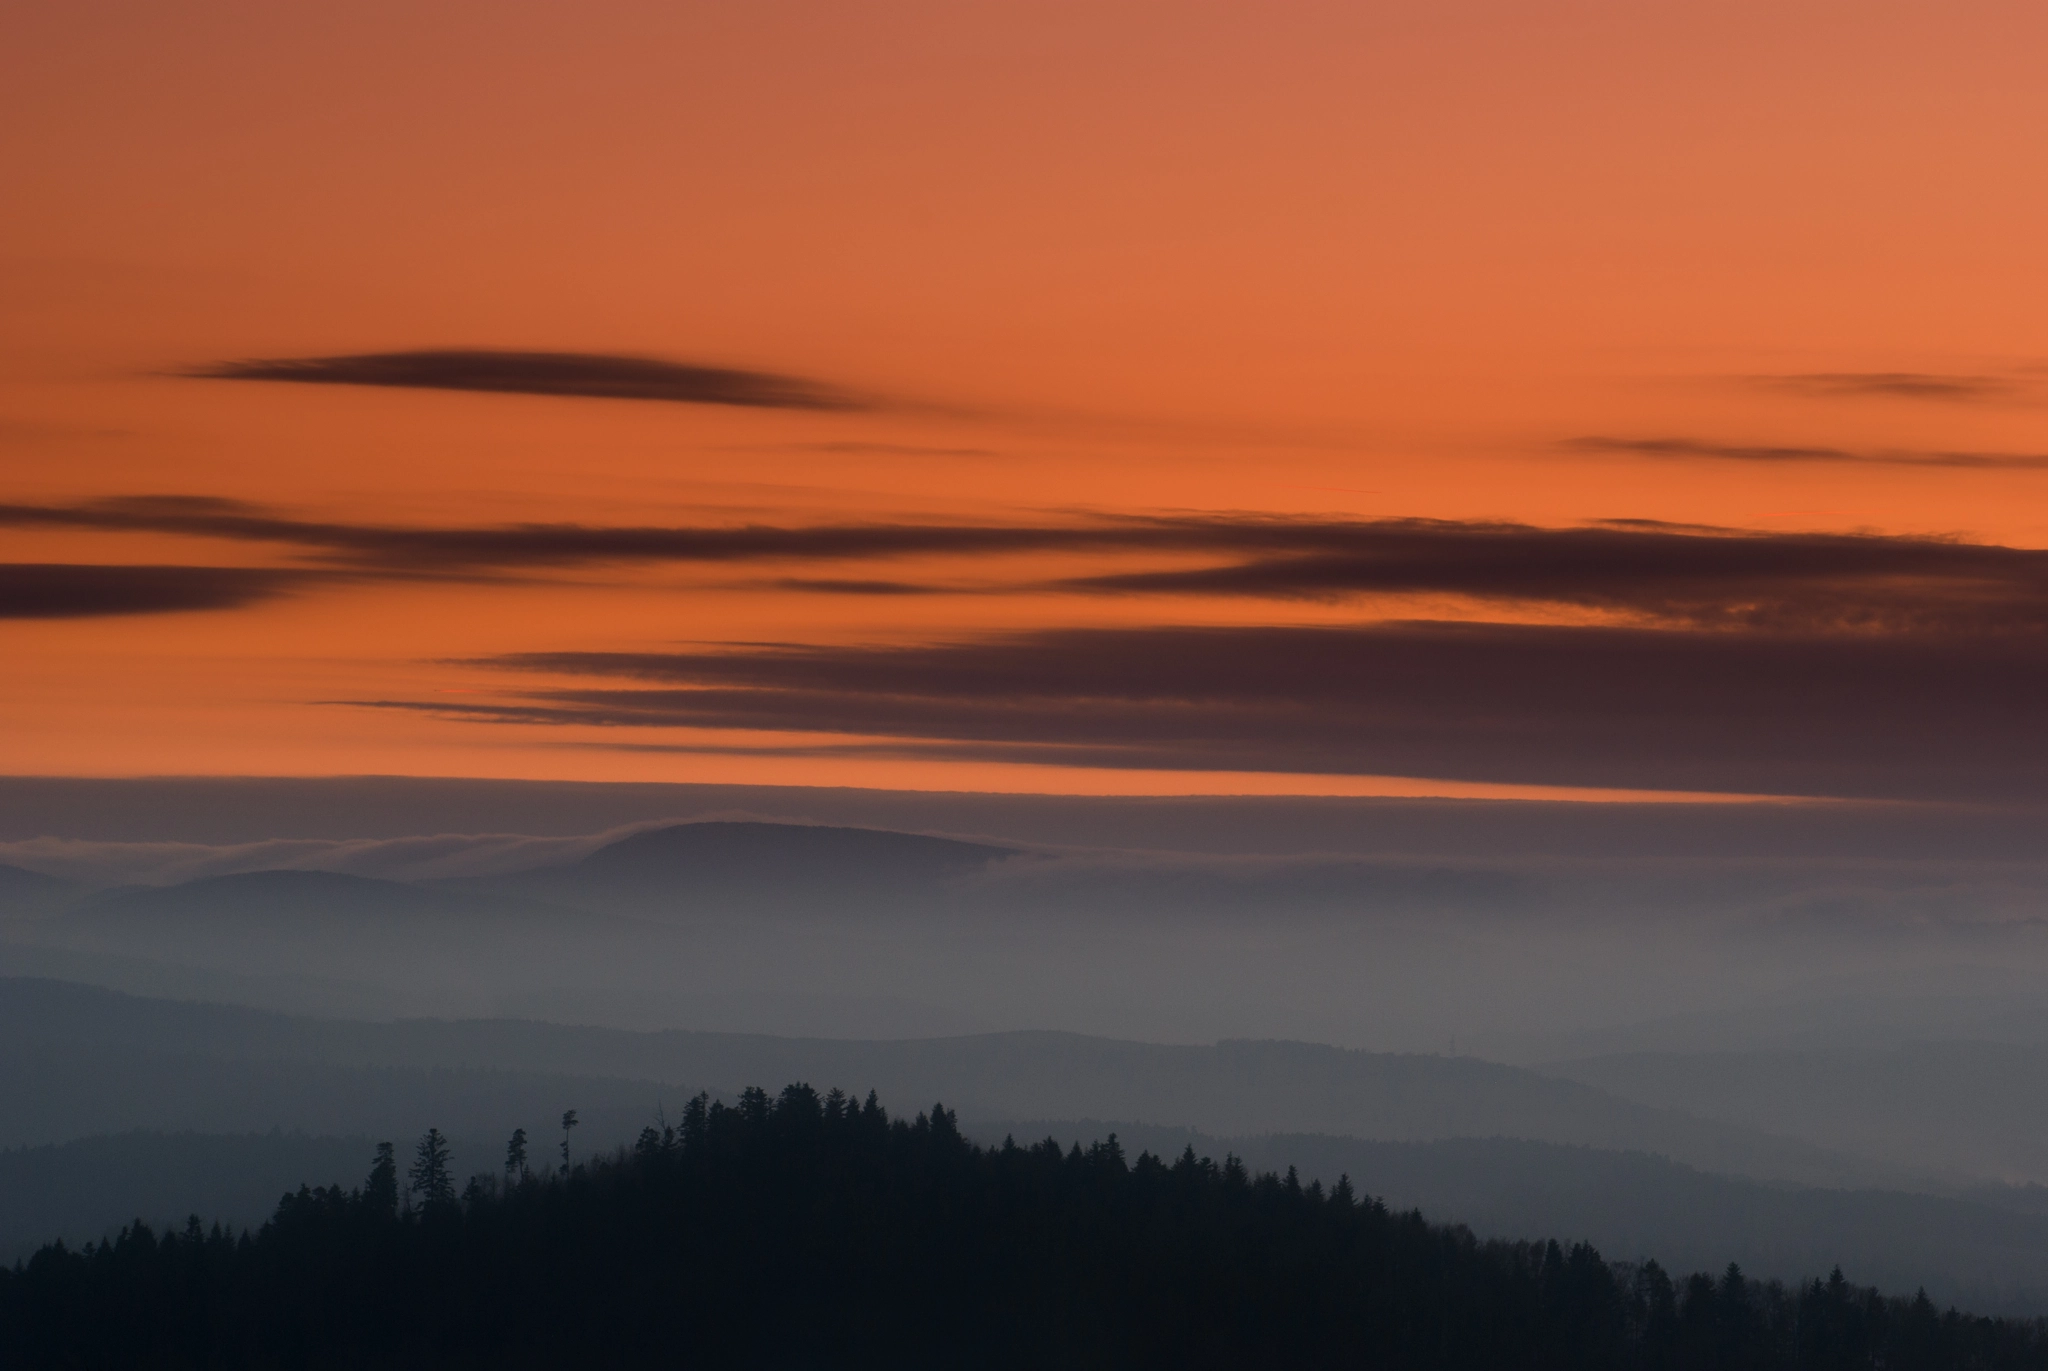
{"x":64,"y":590}
{"x":1900,"y":716}
{"x":829,"y":586}
{"x":1896,"y":385}
{"x":581,"y":374}
{"x":1699,"y":449}
{"x":859,"y":449}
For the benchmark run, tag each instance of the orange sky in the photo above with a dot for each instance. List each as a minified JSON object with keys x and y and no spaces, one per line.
{"x":1353,"y":260}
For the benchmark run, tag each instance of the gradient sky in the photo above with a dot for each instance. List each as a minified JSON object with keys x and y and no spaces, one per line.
{"x":1447,"y":398}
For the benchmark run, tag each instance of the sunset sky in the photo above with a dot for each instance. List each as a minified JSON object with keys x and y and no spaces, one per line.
{"x":1453,"y":398}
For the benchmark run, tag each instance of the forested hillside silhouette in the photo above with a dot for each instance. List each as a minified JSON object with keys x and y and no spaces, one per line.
{"x":812,"y":1230}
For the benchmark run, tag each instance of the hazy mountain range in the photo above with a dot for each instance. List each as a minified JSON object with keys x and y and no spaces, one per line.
{"x":829,"y":930}
{"x":1792,"y":1065}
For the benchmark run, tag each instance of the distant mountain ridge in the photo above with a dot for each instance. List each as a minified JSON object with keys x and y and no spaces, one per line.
{"x":751,"y":850}
{"x":248,"y":899}
{"x":25,"y":892}
{"x":831,"y":930}
{"x":1228,"y":1088}
{"x":665,"y":925}
{"x":1983,"y":1103}
{"x":719,"y":867}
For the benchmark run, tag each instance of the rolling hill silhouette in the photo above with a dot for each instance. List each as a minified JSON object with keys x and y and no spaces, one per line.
{"x":25,"y":893}
{"x":725,"y":867}
{"x":1979,"y":1106}
{"x":1229,"y":1088}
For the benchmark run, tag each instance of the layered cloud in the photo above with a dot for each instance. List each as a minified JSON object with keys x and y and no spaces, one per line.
{"x":1663,"y":573}
{"x":1879,"y":716}
{"x":580,"y":374}
{"x":1631,"y":655}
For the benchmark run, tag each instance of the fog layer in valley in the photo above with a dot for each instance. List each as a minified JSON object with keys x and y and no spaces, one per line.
{"x":1564,"y":933}
{"x":1841,"y":999}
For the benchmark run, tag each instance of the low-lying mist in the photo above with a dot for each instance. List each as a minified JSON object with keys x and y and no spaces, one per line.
{"x":1831,"y":975}
{"x":749,"y":926}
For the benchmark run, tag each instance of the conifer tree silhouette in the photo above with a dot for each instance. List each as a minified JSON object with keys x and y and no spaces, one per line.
{"x":380,"y":1192}
{"x":568,"y":1123}
{"x":430,"y":1178}
{"x":515,"y":1157}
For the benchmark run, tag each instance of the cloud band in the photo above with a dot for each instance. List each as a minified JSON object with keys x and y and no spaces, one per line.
{"x":579,"y":374}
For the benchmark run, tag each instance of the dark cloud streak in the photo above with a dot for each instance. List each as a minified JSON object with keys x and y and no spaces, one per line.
{"x":826,"y":586}
{"x":65,"y":590}
{"x":1684,"y":449}
{"x":1893,"y":385}
{"x":414,"y":549}
{"x":578,"y":374}
{"x":1699,"y":578}
{"x":1906,"y":717}
{"x":858,"y":449}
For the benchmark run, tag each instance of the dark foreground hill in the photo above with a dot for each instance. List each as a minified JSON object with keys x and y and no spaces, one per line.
{"x":809,"y":1231}
{"x":1982,"y":1253}
{"x":88,"y":1188}
{"x":1630,"y":1205}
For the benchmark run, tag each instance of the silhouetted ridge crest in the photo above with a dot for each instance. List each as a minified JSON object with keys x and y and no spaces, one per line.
{"x":24,"y":891}
{"x":21,"y":878}
{"x":723,"y":851}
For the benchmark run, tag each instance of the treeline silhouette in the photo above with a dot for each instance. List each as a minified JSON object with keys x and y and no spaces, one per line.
{"x":805,"y":1230}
